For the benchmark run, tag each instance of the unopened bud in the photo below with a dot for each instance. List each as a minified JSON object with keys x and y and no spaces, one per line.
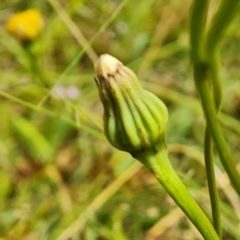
{"x":135,"y":120}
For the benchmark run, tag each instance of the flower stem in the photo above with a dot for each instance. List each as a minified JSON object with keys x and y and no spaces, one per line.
{"x":34,"y":65}
{"x":211,"y":179}
{"x":205,"y":56}
{"x":219,"y":24}
{"x":206,"y":60}
{"x":197,"y":29}
{"x":161,"y":167}
{"x":198,"y":34}
{"x":203,"y":87}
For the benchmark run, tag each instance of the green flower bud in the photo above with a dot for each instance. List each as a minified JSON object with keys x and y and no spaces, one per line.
{"x":135,"y":120}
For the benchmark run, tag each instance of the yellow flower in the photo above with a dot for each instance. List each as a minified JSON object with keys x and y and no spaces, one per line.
{"x":26,"y":25}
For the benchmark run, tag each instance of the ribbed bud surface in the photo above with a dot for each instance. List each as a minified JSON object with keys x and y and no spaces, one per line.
{"x":135,"y":120}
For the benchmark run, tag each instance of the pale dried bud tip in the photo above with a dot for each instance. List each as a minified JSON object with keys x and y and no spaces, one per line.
{"x":107,"y":65}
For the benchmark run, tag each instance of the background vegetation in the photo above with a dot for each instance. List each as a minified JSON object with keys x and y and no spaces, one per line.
{"x":59,"y":177}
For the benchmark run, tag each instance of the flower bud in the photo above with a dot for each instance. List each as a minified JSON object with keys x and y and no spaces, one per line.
{"x":25,"y":25}
{"x":135,"y":120}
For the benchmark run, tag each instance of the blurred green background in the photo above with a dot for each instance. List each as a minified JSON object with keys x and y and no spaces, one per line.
{"x":59,"y":177}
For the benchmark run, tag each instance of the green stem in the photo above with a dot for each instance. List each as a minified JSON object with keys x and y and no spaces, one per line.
{"x":213,"y":62}
{"x":34,"y":65}
{"x":219,"y":23}
{"x":161,"y":167}
{"x":203,"y":86}
{"x":198,"y":34}
{"x":221,"y":20}
{"x":197,"y":29}
{"x":211,"y":179}
{"x":205,"y":63}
